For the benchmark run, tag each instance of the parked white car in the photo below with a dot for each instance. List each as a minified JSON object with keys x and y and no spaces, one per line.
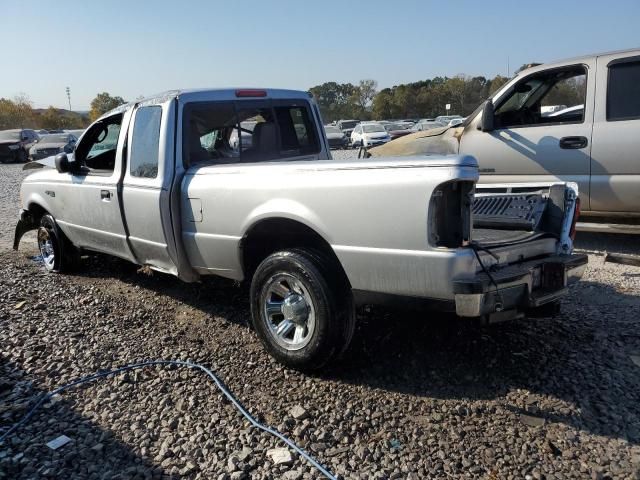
{"x":369,"y":134}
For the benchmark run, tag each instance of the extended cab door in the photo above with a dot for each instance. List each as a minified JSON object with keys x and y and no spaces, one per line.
{"x":615,"y":155}
{"x":543,"y":126}
{"x":147,"y":184}
{"x":91,"y":216}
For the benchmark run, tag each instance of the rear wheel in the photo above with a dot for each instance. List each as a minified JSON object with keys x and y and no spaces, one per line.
{"x":58,"y":254}
{"x":302,"y":308}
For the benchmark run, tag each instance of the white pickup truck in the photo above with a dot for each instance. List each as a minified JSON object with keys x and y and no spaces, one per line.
{"x":157,"y":183}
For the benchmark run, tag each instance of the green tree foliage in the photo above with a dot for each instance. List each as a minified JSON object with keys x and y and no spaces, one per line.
{"x":102,"y":104}
{"x":335,"y":100}
{"x":496,"y":83}
{"x":16,"y":113}
{"x":55,"y":118}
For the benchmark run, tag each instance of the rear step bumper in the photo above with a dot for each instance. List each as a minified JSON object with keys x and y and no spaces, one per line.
{"x":519,"y":287}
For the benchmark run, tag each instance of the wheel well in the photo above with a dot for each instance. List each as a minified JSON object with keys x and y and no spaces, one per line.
{"x":36,"y":212}
{"x":273,"y":235}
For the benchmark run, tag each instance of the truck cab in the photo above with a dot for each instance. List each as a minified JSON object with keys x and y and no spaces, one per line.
{"x":571,"y":120}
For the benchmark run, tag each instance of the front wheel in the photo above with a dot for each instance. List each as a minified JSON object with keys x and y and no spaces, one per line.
{"x":301,"y":308}
{"x":57,"y":253}
{"x":22,"y":157}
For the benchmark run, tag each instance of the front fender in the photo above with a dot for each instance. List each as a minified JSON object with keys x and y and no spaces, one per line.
{"x":26,"y":223}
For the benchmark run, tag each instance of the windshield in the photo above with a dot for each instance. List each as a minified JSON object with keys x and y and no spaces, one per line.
{"x":373,"y":128}
{"x":54,"y":139}
{"x":332,"y":130}
{"x":10,"y":135}
{"x":349,"y":124}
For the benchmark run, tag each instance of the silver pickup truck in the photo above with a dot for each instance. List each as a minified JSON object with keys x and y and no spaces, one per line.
{"x":158,"y":183}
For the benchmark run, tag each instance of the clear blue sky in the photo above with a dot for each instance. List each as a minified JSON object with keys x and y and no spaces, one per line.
{"x":135,"y":47}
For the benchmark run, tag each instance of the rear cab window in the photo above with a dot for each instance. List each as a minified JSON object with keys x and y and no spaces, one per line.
{"x":248,"y":131}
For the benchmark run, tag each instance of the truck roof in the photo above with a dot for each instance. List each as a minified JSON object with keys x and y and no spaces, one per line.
{"x":581,"y":58}
{"x":215,"y":94}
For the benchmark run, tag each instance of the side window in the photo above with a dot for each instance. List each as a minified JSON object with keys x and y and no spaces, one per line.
{"x":555,"y":96}
{"x":97,"y":150}
{"x":623,"y":91}
{"x":297,"y":133}
{"x":145,"y":142}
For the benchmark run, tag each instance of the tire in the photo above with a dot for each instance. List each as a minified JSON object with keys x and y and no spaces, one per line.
{"x":22,"y":157}
{"x":58,"y":254}
{"x":302,"y":308}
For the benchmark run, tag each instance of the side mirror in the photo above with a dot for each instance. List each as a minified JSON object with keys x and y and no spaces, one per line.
{"x":488,"y":114}
{"x":62,"y":163}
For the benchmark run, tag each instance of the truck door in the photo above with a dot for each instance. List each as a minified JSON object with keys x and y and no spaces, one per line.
{"x":542,"y":132}
{"x":147,"y":183}
{"x":90,"y":214}
{"x":615,"y":155}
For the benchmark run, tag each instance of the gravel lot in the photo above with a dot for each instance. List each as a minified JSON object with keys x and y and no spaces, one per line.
{"x":417,"y":396}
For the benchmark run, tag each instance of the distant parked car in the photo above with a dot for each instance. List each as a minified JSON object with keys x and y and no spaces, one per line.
{"x":15,"y":144}
{"x":455,"y":121}
{"x":57,"y":130}
{"x":445,"y":119}
{"x":43,"y":132}
{"x":571,"y":114}
{"x":76,"y":133}
{"x":369,"y":134}
{"x":335,"y":137}
{"x":396,"y":130}
{"x":347,"y":126}
{"x":420,"y":126}
{"x":53,"y":144}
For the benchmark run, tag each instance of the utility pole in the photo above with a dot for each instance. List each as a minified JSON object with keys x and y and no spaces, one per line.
{"x":69,"y":97}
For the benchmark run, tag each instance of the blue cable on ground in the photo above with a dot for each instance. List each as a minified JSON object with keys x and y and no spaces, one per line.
{"x":180,"y":363}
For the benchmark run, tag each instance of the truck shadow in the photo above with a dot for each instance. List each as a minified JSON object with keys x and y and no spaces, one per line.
{"x":576,"y":366}
{"x":92,"y":450}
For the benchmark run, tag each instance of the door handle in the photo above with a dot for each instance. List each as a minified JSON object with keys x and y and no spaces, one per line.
{"x":573,"y":142}
{"x":105,"y":195}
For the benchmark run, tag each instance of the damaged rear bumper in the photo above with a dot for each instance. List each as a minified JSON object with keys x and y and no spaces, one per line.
{"x":25,"y":224}
{"x":519,"y":287}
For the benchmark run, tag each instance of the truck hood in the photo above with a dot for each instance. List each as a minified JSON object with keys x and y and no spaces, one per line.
{"x":42,"y":146}
{"x":45,"y":162}
{"x":437,"y":141}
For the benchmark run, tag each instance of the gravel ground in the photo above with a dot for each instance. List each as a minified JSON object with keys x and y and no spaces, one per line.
{"x":417,"y":395}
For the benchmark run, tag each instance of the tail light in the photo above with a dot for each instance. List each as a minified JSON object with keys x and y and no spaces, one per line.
{"x":251,"y":93}
{"x":576,"y":214}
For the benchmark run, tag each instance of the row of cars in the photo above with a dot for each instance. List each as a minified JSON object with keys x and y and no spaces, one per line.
{"x":23,"y":144}
{"x":356,"y":133}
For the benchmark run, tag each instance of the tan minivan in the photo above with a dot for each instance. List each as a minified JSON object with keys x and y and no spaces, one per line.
{"x":574,"y":120}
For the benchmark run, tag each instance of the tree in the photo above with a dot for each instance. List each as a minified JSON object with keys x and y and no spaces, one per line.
{"x":334,"y":100}
{"x":362,"y":97}
{"x":497,"y":83}
{"x":51,"y":119}
{"x":16,"y":113}
{"x":102,"y":104}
